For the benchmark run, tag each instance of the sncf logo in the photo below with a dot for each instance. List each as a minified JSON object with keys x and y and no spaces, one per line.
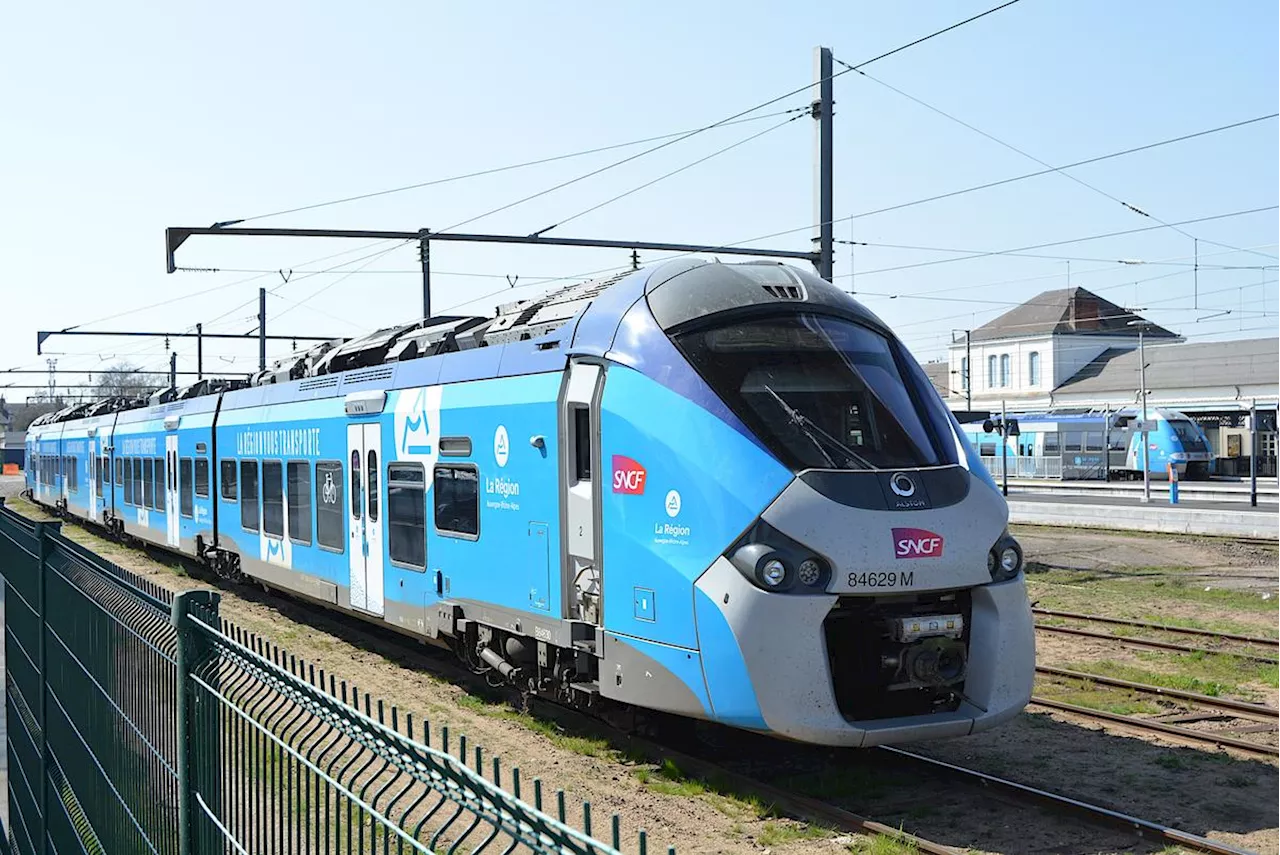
{"x":628,"y":476}
{"x":916,"y":543}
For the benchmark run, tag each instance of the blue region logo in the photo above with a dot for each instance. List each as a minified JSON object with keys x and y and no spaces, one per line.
{"x":419,"y":424}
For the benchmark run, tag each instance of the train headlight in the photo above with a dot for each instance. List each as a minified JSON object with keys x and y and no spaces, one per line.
{"x":773,"y":573}
{"x":809,"y":572}
{"x":1004,"y":560}
{"x":1009,"y":560}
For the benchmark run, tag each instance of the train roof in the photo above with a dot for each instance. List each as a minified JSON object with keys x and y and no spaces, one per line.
{"x":521,"y":336}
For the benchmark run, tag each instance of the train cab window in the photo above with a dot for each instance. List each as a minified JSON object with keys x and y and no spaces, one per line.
{"x":582,"y":443}
{"x":356,"y":498}
{"x":299,"y":472}
{"x":186,"y":487}
{"x":119,"y":471}
{"x":227,"y":472}
{"x":330,"y":532}
{"x":202,"y":477}
{"x":457,"y":511}
{"x":249,"y":494}
{"x":372,"y":485}
{"x":407,"y":514}
{"x":273,"y":498}
{"x":148,"y":483}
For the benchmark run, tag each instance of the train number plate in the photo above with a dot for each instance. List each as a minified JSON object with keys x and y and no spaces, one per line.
{"x":890,"y":579}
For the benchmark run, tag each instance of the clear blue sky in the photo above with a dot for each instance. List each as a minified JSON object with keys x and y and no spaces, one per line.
{"x":124,"y":118}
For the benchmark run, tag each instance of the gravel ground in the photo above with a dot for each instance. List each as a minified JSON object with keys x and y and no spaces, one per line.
{"x":10,"y":485}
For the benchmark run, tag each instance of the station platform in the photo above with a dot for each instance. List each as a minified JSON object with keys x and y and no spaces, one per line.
{"x":1228,"y":491}
{"x":1224,"y":517}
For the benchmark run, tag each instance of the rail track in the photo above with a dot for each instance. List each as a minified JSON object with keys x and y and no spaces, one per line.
{"x":799,"y":806}
{"x":1153,"y":643}
{"x":1160,"y":627}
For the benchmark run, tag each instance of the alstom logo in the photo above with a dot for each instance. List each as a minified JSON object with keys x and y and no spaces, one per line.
{"x":628,"y":476}
{"x":916,"y":543}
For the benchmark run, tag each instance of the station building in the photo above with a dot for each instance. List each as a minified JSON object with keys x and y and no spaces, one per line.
{"x":1072,"y":350}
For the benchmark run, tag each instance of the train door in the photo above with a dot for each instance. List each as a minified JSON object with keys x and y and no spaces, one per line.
{"x":364,"y":450}
{"x":581,"y":474}
{"x":172,"y":530}
{"x":95,"y":464}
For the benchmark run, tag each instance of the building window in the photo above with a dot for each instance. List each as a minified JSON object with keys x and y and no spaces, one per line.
{"x":991,"y":372}
{"x":329,"y":525}
{"x":1033,"y":368}
{"x":300,"y":501}
{"x":273,"y":498}
{"x":964,"y":373}
{"x":1004,"y":370}
{"x":407,"y":514}
{"x":457,"y":500}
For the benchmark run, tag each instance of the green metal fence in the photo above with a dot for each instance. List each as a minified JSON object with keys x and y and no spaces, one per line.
{"x":140,"y":721}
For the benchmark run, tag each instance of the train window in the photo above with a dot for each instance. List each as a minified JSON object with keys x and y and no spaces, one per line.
{"x":457,"y":500}
{"x":249,"y":494}
{"x":581,"y":444}
{"x":1051,"y":442}
{"x":73,"y":474}
{"x":186,"y":488}
{"x":119,"y":471}
{"x":330,"y":532}
{"x":299,"y":472}
{"x":273,"y":498}
{"x":97,"y":474}
{"x":131,"y":480}
{"x":227,"y":475}
{"x":987,"y":449}
{"x":1092,"y":441}
{"x":455,"y":446}
{"x":202,"y":477}
{"x":160,"y":479}
{"x":148,"y":483}
{"x":355,"y":485}
{"x":372,"y":485}
{"x":407,"y":514}
{"x":823,"y":392}
{"x":1072,"y":440}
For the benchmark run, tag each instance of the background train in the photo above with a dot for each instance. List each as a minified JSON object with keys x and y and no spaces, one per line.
{"x":1077,"y":445}
{"x":721,"y":491}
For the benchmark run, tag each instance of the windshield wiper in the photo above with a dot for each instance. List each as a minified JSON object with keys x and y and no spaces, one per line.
{"x":813,"y":432}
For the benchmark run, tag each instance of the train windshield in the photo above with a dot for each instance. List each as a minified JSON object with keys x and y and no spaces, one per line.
{"x":823,"y":392}
{"x":1187,"y":435}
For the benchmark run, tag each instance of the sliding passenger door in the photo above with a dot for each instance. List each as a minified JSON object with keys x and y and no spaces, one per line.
{"x":364,"y":516}
{"x":95,"y":478}
{"x":582,"y":584}
{"x":172,"y":530}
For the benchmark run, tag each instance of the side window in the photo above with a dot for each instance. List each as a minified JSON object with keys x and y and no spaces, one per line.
{"x":227,"y":472}
{"x":97,"y":475}
{"x":186,"y":487}
{"x":249,"y":494}
{"x":582,"y":443}
{"x":119,"y":471}
{"x":129,"y":481}
{"x":372,"y":482}
{"x":1051,"y":442}
{"x":355,"y":485}
{"x":73,"y":479}
{"x":160,"y":479}
{"x":407,"y":514}
{"x":148,"y":482}
{"x":202,"y":477}
{"x":330,"y":530}
{"x":457,"y":500}
{"x":273,"y":497}
{"x":300,"y":501}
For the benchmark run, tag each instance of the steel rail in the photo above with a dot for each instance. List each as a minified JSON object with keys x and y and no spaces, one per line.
{"x":1159,"y":726}
{"x":1162,"y":627}
{"x":1026,"y":792}
{"x":1147,"y":642}
{"x":1225,"y":704}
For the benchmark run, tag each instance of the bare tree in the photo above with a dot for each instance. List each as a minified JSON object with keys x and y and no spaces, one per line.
{"x":123,"y":380}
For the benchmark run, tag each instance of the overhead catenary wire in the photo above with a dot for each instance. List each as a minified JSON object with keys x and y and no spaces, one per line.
{"x":1061,"y":170}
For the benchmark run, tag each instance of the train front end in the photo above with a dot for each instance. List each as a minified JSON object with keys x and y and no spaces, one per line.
{"x":878,"y":597}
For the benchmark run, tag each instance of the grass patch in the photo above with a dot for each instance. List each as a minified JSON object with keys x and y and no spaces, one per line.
{"x":1134,"y":674}
{"x":777,"y":833}
{"x":882,"y":844}
{"x":1216,"y":668}
{"x":586,"y":746}
{"x":1084,"y":693}
{"x":1137,"y":588}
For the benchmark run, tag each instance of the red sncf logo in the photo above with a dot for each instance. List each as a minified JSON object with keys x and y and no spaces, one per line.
{"x":628,"y":476}
{"x":916,"y":543}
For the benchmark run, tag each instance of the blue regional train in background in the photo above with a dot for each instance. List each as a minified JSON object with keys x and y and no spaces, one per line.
{"x":723,"y":491}
{"x":1078,"y":440}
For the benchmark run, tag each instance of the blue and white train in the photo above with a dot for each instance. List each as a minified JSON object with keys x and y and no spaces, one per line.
{"x":721,"y":491}
{"x":1077,"y":444}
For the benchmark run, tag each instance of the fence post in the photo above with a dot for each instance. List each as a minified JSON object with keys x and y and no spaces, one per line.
{"x":192,"y":647}
{"x":44,"y":548}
